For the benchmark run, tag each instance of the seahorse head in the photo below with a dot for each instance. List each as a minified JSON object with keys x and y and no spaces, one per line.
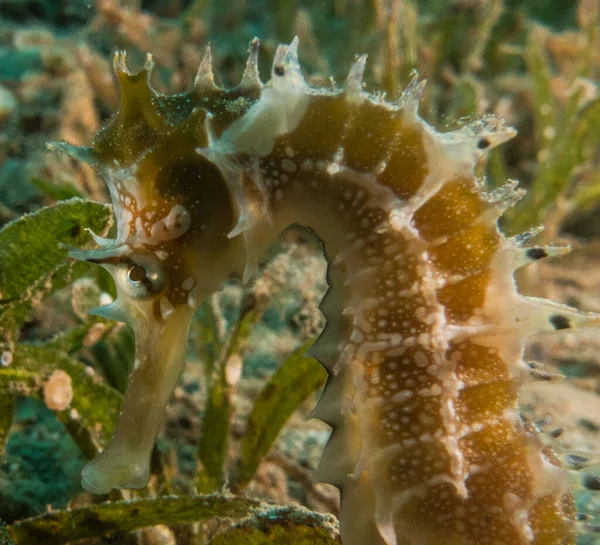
{"x":173,"y":208}
{"x":177,"y":216}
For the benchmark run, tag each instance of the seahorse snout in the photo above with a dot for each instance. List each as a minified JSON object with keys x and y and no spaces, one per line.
{"x":160,"y":357}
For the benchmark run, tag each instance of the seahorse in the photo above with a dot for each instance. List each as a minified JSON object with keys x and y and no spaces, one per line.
{"x":425,"y":327}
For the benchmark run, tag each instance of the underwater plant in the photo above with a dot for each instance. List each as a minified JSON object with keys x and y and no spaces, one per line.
{"x":425,"y":329}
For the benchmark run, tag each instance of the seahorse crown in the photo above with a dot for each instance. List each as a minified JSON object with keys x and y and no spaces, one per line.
{"x":425,"y":328}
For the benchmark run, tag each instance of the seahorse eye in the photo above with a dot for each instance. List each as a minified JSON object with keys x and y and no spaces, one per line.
{"x":142,"y":276}
{"x":136,"y":274}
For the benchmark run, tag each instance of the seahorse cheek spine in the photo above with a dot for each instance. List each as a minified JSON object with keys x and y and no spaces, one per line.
{"x":425,"y":329}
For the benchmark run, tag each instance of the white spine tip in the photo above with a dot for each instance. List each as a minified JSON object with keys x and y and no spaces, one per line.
{"x":489,"y":132}
{"x":412,"y":95}
{"x":505,"y":197}
{"x":244,"y":223}
{"x":519,"y":256}
{"x":354,"y":81}
{"x":291,"y":56}
{"x":86,"y":155}
{"x":251,"y":77}
{"x":101,"y":241}
{"x":581,"y":460}
{"x":250,"y":270}
{"x":523,"y":238}
{"x":120,"y":62}
{"x":205,"y":79}
{"x":472,"y":141}
{"x":114,"y":311}
{"x":503,"y":192}
{"x":279,"y":67}
{"x":286,"y":65}
{"x":544,"y":373}
{"x":550,"y":316}
{"x":149,"y":63}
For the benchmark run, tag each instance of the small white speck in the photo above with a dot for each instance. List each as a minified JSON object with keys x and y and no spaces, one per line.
{"x":380,"y":167}
{"x":333,"y":168}
{"x":6,"y":358}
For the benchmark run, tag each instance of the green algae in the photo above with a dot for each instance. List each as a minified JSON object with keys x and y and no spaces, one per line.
{"x":281,"y":526}
{"x":296,"y":378}
{"x":32,"y":265}
{"x":97,"y":520}
{"x":41,"y":463}
{"x":566,"y":134}
{"x":214,"y":440}
{"x":7,"y":409}
{"x":259,"y":522}
{"x":96,"y":405}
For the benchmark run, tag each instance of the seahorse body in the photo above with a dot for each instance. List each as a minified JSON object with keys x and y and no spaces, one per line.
{"x":425,"y":329}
